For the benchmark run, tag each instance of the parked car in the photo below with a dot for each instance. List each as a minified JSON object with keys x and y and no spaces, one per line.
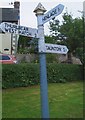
{"x":7,"y":59}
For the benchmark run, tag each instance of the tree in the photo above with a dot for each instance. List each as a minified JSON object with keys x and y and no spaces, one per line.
{"x":70,"y":33}
{"x":27,"y":45}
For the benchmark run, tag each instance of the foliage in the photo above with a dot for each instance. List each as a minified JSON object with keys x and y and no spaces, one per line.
{"x":27,"y":45}
{"x":19,"y":75}
{"x":70,"y":32}
{"x":80,"y":54}
{"x":51,"y":58}
{"x":23,"y":41}
{"x":64,"y":72}
{"x":49,"y":39}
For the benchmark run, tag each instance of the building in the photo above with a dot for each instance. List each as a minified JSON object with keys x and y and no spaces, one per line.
{"x":8,"y":42}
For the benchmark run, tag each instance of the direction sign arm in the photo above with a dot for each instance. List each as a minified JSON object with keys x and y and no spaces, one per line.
{"x":17,"y":29}
{"x":53,"y":13}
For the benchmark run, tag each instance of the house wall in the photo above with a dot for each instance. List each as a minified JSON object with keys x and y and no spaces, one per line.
{"x":5,"y":43}
{"x":8,"y":41}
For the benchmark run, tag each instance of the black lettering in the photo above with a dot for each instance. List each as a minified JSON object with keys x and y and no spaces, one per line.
{"x":10,"y":25}
{"x":14,"y":26}
{"x":6,"y":29}
{"x":46,"y":17}
{"x":52,"y":48}
{"x":55,"y":11}
{"x":55,"y":48}
{"x":58,"y":9}
{"x":15,"y":30}
{"x":48,"y":48}
{"x":30,"y":34}
{"x":27,"y":33}
{"x":12,"y":31}
{"x":19,"y":31}
{"x":26,"y":29}
{"x":9,"y":30}
{"x":58,"y":49}
{"x":64,"y":50}
{"x":52,"y":13}
{"x":23,"y":32}
{"x":18,"y":28}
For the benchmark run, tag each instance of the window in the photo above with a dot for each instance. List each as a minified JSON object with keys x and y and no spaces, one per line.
{"x":4,"y":57}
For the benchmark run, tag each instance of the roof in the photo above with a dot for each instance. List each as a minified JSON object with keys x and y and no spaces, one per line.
{"x":8,"y":15}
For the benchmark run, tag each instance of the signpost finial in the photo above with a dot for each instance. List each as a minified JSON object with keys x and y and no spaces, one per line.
{"x":39,"y":9}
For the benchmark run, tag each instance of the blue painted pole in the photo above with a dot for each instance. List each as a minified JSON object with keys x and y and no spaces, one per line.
{"x":44,"y":87}
{"x":42,"y":57}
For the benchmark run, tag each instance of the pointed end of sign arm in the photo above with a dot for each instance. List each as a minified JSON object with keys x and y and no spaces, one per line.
{"x":61,"y":7}
{"x":2,"y":26}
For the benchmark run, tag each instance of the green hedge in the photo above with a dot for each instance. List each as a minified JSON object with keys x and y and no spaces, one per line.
{"x":19,"y":75}
{"x":64,"y":72}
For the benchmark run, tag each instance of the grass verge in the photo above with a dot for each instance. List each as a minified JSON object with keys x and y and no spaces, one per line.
{"x":65,"y":101}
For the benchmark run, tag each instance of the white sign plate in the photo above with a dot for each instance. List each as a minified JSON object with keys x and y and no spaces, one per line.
{"x":54,"y":48}
{"x":53,"y":13}
{"x":20,"y":30}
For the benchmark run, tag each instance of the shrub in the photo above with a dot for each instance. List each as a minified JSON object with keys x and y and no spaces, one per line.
{"x":64,"y":72}
{"x":21,"y":75}
{"x":51,"y":58}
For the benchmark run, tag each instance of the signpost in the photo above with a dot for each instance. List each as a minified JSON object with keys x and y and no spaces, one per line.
{"x":54,"y":48}
{"x":41,"y":19}
{"x":43,"y":48}
{"x":42,"y":58}
{"x":19,"y":30}
{"x":53,"y":13}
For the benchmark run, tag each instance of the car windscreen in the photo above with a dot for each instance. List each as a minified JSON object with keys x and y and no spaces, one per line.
{"x":3,"y":57}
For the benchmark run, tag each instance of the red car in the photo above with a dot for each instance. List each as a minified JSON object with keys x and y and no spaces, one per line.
{"x":7,"y":59}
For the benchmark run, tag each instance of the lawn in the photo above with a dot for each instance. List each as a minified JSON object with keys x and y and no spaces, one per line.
{"x":65,"y":101}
